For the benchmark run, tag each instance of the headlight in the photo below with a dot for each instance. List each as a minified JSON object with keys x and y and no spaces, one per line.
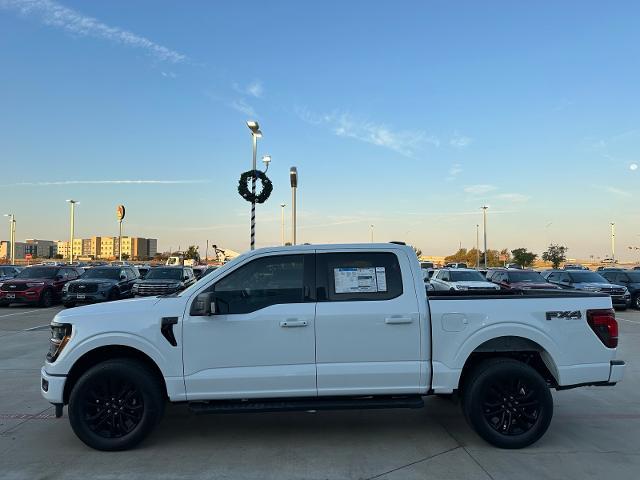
{"x":65,"y":288}
{"x":461,"y":287}
{"x":35,"y":284}
{"x":60,"y":335}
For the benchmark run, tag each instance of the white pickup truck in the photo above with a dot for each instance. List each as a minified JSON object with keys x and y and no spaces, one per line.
{"x":326,"y":327}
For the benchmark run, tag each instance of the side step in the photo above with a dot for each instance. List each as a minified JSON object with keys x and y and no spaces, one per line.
{"x":305,"y":404}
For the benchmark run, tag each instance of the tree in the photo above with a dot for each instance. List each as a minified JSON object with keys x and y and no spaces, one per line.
{"x":418,"y":251}
{"x":523,"y":257}
{"x":125,"y":256}
{"x":556,"y":254}
{"x":459,"y":256}
{"x":192,"y":253}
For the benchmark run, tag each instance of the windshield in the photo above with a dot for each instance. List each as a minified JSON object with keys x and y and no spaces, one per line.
{"x":587,"y":277}
{"x":110,"y":273}
{"x":164,"y":274}
{"x":526,"y":277}
{"x":466,"y":277}
{"x":38,"y":272}
{"x":634,"y":277}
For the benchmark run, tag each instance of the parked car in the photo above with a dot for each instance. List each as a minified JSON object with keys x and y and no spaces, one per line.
{"x":637,"y":268}
{"x":143,"y":270}
{"x":574,"y":266}
{"x":39,"y":284}
{"x":522,"y":279}
{"x":199,"y":270}
{"x":460,"y":279}
{"x":100,"y":284}
{"x":164,"y":280}
{"x":590,"y":282}
{"x":491,"y":271}
{"x":427,"y":265}
{"x":513,"y":265}
{"x":313,"y":327}
{"x":628,"y":278}
{"x":455,"y":265}
{"x":7,"y":272}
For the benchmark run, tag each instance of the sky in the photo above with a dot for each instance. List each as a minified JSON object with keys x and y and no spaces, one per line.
{"x":408,"y":116}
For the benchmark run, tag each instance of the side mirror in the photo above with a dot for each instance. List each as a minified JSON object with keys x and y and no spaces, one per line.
{"x":123,"y":277}
{"x":203,"y":306}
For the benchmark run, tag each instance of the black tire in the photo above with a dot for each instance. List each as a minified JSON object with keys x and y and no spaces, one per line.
{"x":114,"y":294}
{"x":69,"y":304}
{"x":47,"y":298}
{"x":116,"y":404}
{"x":3,"y":304}
{"x":636,"y":302}
{"x":507,"y":403}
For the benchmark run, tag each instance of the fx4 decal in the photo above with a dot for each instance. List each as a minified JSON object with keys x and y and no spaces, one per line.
{"x":575,"y":315}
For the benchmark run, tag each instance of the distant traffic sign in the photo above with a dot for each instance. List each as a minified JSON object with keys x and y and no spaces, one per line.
{"x":120,"y":212}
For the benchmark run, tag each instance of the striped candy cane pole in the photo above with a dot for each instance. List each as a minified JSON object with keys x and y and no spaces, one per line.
{"x":253,"y":211}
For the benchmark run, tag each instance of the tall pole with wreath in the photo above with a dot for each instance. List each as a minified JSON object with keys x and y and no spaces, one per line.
{"x":255,"y":174}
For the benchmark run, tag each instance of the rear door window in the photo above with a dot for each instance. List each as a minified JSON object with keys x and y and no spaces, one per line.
{"x":357,"y":276}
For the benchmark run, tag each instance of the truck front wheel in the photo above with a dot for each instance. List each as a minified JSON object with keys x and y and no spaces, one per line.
{"x":116,"y":404}
{"x":507,"y":403}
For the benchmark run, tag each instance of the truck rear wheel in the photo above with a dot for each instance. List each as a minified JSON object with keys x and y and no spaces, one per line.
{"x":507,"y":403}
{"x":116,"y":404}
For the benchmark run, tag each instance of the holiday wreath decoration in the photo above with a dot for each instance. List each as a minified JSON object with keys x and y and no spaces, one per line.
{"x":243,"y":188}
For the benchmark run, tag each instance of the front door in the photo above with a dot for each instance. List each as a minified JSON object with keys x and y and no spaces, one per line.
{"x":368,"y":335}
{"x":260,"y":342}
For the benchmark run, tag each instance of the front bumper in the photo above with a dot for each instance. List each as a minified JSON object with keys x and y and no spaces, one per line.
{"x":52,"y":387}
{"x":99,"y":296}
{"x":25,"y":296}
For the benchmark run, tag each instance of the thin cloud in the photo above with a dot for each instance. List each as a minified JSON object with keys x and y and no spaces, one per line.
{"x":615,"y":191}
{"x":54,"y":14}
{"x":460,"y":141}
{"x":513,"y":197}
{"x":479,"y":189}
{"x":104,"y":182}
{"x":243,"y":107}
{"x":254,"y":89}
{"x":342,"y":124}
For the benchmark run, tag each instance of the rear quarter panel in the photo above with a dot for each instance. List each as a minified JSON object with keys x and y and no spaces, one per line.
{"x":572,"y":351}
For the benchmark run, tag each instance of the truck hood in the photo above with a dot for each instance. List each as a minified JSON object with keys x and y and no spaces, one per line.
{"x":22,"y":281}
{"x":94,"y":280}
{"x":603,"y":286}
{"x":108,"y":309}
{"x":159,"y":281}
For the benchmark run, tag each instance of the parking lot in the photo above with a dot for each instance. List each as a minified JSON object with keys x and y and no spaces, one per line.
{"x":595,"y":432}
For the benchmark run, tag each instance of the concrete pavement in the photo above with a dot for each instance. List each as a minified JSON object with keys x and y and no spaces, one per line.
{"x":595,"y":433}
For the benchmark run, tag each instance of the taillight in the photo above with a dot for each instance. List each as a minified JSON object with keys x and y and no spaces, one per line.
{"x":604,"y":325}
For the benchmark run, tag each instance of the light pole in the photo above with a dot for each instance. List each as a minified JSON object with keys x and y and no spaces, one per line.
{"x":293,"y":177}
{"x":73,"y":204}
{"x":11,"y":251}
{"x":613,"y":242}
{"x":477,"y":245}
{"x":371,"y":227}
{"x":484,"y":232}
{"x":255,"y":134}
{"x":282,"y":205}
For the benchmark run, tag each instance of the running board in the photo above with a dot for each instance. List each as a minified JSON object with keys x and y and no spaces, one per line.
{"x":305,"y":404}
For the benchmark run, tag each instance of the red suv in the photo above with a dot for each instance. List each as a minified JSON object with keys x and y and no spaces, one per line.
{"x":39,"y":284}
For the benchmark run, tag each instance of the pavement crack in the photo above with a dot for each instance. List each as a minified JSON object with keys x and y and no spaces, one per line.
{"x":11,"y":429}
{"x":414,"y":463}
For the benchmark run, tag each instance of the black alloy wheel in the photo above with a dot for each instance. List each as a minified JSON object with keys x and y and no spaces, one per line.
{"x":46,"y":298}
{"x":507,"y":402}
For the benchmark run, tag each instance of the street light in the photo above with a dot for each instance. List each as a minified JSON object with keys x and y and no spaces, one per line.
{"x":73,"y":204}
{"x":484,"y":231}
{"x":282,"y":205}
{"x":255,"y":134}
{"x":266,"y":159}
{"x":11,"y":252}
{"x":613,"y":242}
{"x":293,"y":177}
{"x":477,"y":245}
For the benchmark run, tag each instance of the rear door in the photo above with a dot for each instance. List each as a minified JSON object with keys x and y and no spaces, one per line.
{"x":367,"y":324}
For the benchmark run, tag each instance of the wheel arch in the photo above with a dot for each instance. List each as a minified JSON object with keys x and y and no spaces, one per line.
{"x":517,"y":347}
{"x":108,"y":352}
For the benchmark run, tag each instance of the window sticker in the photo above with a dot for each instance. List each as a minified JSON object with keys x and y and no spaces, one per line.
{"x":360,"y":280}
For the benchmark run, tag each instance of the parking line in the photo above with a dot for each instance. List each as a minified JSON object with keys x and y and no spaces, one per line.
{"x":39,"y":327}
{"x":630,"y":321}
{"x":24,"y":313}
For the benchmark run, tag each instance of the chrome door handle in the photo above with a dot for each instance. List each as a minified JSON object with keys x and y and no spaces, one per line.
{"x":397,"y":320}
{"x":293,"y":323}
